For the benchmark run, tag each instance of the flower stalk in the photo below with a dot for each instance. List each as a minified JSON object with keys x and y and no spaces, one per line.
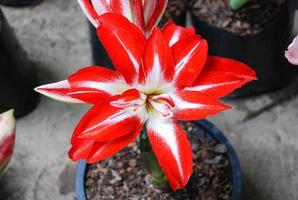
{"x":158,"y":178}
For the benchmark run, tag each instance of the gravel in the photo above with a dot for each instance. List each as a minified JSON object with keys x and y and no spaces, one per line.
{"x":123,"y":176}
{"x":249,"y":20}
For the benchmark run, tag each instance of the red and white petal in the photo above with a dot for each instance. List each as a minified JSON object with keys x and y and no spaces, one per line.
{"x":103,"y":150}
{"x":158,"y":61}
{"x":138,"y":14}
{"x":191,"y":105}
{"x":7,"y":138}
{"x":132,"y":10}
{"x":107,"y":122}
{"x":153,"y":11}
{"x":96,"y":84}
{"x":58,"y":91}
{"x":94,"y":142}
{"x":7,"y":124}
{"x":124,"y":43}
{"x":216,"y":84}
{"x":90,"y":12}
{"x":190,"y":55}
{"x":174,"y":33}
{"x":114,"y":118}
{"x":292,"y":52}
{"x":81,"y":149}
{"x":122,"y":7}
{"x":229,"y":66}
{"x":132,"y":99}
{"x":172,"y":150}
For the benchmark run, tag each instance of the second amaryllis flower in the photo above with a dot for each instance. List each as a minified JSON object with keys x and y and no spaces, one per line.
{"x":158,"y":81}
{"x":145,"y":14}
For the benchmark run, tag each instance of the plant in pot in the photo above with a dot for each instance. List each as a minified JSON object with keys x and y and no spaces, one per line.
{"x":255,"y":32}
{"x":17,"y":74}
{"x":162,"y":77}
{"x":7,"y":138}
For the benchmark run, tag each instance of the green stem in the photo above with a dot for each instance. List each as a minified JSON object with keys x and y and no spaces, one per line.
{"x":158,"y":178}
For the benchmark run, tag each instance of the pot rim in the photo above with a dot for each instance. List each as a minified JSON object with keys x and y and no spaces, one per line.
{"x":214,"y":132}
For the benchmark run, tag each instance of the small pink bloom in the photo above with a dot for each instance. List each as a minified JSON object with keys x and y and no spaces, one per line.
{"x":292,"y":52}
{"x":7,"y":138}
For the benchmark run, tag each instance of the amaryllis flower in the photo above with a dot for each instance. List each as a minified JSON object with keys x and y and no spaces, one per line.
{"x":143,"y":13}
{"x":158,"y":81}
{"x":7,"y":138}
{"x":292,"y":52}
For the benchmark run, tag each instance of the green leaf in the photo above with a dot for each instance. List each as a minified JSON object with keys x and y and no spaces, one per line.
{"x":236,"y":4}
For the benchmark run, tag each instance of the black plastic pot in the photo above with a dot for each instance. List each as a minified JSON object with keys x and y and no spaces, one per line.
{"x":263,"y":51}
{"x":99,"y":54}
{"x":207,"y":130}
{"x":20,"y":3}
{"x":176,"y":11}
{"x":17,"y":75}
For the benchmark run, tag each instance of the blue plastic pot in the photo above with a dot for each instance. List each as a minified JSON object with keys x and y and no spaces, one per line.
{"x":209,"y":130}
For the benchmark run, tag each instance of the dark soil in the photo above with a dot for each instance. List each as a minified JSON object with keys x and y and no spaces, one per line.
{"x":248,"y":20}
{"x":124,"y":177}
{"x":175,"y":11}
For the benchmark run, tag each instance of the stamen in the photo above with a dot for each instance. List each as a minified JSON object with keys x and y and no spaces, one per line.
{"x":161,"y":106}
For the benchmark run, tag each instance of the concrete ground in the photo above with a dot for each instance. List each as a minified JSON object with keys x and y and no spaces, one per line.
{"x":264,"y":130}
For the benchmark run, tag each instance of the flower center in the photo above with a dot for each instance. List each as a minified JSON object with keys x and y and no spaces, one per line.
{"x":153,"y":104}
{"x":160,"y":105}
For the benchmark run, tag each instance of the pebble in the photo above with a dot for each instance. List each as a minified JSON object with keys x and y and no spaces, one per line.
{"x":103,"y":169}
{"x":132,"y":163}
{"x":220,"y":148}
{"x":116,"y":175}
{"x":199,"y":167}
{"x":246,"y":25}
{"x":213,"y":161}
{"x":120,"y":164}
{"x":195,"y":146}
{"x":110,"y":190}
{"x":113,"y":181}
{"x":203,"y":155}
{"x":121,"y":171}
{"x":129,"y":169}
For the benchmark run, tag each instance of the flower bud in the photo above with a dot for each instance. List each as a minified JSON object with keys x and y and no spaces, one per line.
{"x":7,"y":138}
